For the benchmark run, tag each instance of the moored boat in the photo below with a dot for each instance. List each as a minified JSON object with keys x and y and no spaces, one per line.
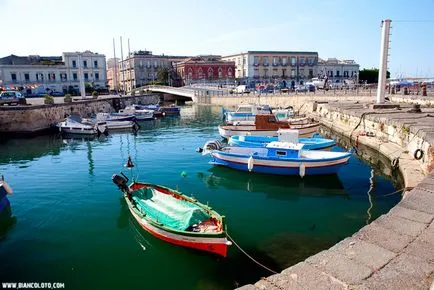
{"x":283,"y":135}
{"x":140,"y":113}
{"x":174,"y":217}
{"x":246,"y":112}
{"x":75,"y":125}
{"x":282,"y":158}
{"x":265,"y":125}
{"x":171,"y":110}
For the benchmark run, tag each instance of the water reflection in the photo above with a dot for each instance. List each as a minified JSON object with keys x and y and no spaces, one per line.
{"x":274,"y":186}
{"x":28,"y":149}
{"x":6,"y":218}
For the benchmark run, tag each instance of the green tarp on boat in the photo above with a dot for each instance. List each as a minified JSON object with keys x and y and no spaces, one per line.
{"x":167,"y":210}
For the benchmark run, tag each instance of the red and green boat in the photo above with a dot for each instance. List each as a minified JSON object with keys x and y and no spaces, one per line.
{"x":174,"y":217}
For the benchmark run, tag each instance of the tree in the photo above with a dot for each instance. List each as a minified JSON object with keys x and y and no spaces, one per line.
{"x":371,"y":75}
{"x":162,"y":76}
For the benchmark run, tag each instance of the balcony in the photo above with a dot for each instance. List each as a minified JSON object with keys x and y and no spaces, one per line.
{"x":266,"y":64}
{"x":275,"y":64}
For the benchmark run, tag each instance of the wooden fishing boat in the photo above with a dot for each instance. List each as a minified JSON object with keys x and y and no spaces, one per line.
{"x":282,"y":158}
{"x":174,"y":217}
{"x":266,"y":125}
{"x":284,"y":135}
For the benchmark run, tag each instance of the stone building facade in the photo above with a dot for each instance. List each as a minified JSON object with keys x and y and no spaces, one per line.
{"x":296,"y":66}
{"x":338,"y":70}
{"x":36,"y":74}
{"x":206,"y":68}
{"x":141,"y":68}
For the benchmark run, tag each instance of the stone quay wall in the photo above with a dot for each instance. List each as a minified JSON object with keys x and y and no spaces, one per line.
{"x":396,"y":251}
{"x":31,"y":119}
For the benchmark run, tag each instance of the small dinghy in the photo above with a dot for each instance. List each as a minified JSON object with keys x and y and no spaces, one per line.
{"x":174,"y":217}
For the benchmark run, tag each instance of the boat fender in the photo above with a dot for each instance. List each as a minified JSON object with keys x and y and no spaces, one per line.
{"x":395,"y":162}
{"x":418,"y":154}
{"x":302,"y":170}
{"x":250,"y":163}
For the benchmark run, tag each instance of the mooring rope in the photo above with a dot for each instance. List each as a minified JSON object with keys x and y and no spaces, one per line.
{"x":250,"y":257}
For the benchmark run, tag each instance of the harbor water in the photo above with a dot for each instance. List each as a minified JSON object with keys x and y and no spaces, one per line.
{"x":69,"y":223}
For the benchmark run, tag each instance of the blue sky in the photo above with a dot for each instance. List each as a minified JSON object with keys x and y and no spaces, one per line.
{"x":335,"y":28}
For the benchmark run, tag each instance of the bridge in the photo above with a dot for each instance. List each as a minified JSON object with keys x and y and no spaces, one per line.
{"x":186,"y":93}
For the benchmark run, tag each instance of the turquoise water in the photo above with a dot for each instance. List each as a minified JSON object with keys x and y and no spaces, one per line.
{"x":71,"y":225}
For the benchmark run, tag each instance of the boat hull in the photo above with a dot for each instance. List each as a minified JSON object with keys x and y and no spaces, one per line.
{"x":229,"y":131}
{"x":216,"y":245}
{"x":280,"y":167}
{"x":258,"y":141}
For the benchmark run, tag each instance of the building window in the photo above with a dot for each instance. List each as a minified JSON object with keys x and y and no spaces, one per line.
{"x":275,"y":60}
{"x":293,"y":73}
{"x":338,"y":73}
{"x":220,"y":72}
{"x":283,"y":73}
{"x":266,"y":73}
{"x":302,"y":72}
{"x":310,"y":61}
{"x":95,"y":64}
{"x":14,"y":77}
{"x":302,"y":61}
{"x":256,"y":72}
{"x":200,"y":73}
{"x":85,"y":63}
{"x":190,"y":73}
{"x":256,"y":60}
{"x":229,"y":72}
{"x":330,"y":73}
{"x":346,"y":74}
{"x":210,"y":73}
{"x":27,"y":77}
{"x":39,"y":76}
{"x":97,"y":76}
{"x":239,"y":61}
{"x":51,"y":77}
{"x":265,"y":60}
{"x":284,"y":60}
{"x":86,"y":76}
{"x":293,"y":61}
{"x":63,"y":77}
{"x":310,"y":73}
{"x":74,"y":64}
{"x":74,"y":76}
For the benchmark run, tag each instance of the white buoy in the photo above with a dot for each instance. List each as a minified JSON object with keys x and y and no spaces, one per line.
{"x":250,"y":163}
{"x":302,"y":170}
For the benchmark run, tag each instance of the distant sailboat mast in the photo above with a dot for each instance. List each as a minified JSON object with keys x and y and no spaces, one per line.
{"x":115,"y":75}
{"x":122,"y":68}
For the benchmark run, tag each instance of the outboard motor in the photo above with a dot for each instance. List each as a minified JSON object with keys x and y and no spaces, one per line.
{"x":121,"y":182}
{"x":210,"y":146}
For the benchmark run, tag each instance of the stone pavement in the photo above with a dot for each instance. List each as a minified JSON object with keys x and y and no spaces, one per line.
{"x":396,"y":251}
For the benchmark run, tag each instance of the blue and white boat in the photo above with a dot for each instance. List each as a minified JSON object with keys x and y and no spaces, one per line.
{"x":283,"y":135}
{"x":281,"y":158}
{"x":140,"y":113}
{"x":246,"y":112}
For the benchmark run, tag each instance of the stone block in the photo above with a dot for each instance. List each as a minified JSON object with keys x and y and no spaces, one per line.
{"x":428,"y":235}
{"x":247,"y":287}
{"x":385,"y":238}
{"x":339,"y":266}
{"x":421,"y":248}
{"x":412,"y":214}
{"x":401,"y":225}
{"x":419,"y":199}
{"x":311,"y":278}
{"x":403,"y":272}
{"x":366,"y":253}
{"x":277,"y":282}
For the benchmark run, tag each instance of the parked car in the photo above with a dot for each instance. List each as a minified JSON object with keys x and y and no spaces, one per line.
{"x":305,"y":88}
{"x":57,"y":94}
{"x":10,"y":98}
